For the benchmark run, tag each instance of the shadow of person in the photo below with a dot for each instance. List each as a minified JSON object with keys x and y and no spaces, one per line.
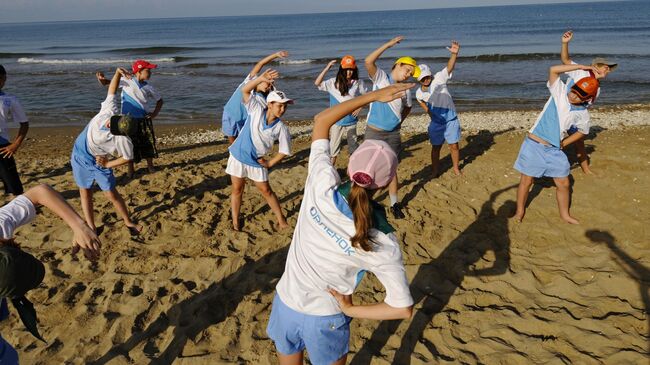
{"x":629,"y":265}
{"x":192,"y":316}
{"x":476,"y":145}
{"x":539,"y":184}
{"x":436,"y":282}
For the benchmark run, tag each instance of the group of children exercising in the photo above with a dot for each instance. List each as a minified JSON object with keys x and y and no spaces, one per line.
{"x":340,"y":232}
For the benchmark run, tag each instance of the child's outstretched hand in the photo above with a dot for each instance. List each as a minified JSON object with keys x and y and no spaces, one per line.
{"x":270,"y":75}
{"x":124,"y":73}
{"x":395,"y":40}
{"x":86,"y":239}
{"x":332,"y":63}
{"x":567,"y":36}
{"x":392,"y":92}
{"x":282,"y":54}
{"x":454,"y":48}
{"x":101,"y":78}
{"x":345,"y":301}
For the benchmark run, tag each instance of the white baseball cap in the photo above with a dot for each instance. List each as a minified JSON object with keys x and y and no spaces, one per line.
{"x":278,"y":97}
{"x":424,"y":71}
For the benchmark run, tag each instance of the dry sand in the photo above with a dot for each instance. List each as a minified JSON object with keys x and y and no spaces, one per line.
{"x":488,"y":290}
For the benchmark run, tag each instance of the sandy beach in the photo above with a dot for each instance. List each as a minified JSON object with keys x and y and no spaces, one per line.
{"x":488,"y":290}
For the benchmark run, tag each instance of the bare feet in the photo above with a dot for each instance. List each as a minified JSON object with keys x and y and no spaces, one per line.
{"x":519,"y":216}
{"x":134,"y":229}
{"x":569,"y":219}
{"x":457,"y":172}
{"x":283,"y":226}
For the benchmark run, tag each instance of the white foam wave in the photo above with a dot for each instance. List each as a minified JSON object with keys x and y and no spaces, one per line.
{"x":295,"y":62}
{"x":88,"y":61}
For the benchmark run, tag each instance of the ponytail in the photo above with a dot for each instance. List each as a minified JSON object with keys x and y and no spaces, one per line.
{"x":359,"y":202}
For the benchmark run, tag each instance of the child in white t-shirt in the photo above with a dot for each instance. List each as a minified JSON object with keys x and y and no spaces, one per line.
{"x":602,"y":67}
{"x":234,"y":112}
{"x":435,"y":99}
{"x":137,"y":95}
{"x":10,"y":111}
{"x":541,"y":152}
{"x":103,"y":137}
{"x":21,"y":272}
{"x":340,"y":234}
{"x":262,"y":128}
{"x":345,"y":86}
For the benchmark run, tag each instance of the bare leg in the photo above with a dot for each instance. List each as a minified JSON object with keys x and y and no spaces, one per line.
{"x":455,"y":157}
{"x":131,"y":172}
{"x":150,"y":166}
{"x":583,"y":159}
{"x":525,"y":182}
{"x":293,"y":359}
{"x":563,"y":196}
{"x":238,"y":185}
{"x":122,"y":211}
{"x":435,"y":159}
{"x":231,"y":140}
{"x":333,"y":159}
{"x":272,"y":201}
{"x":87,"y":206}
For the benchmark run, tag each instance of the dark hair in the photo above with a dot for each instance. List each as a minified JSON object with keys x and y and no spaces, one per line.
{"x":2,"y":71}
{"x":342,"y":80}
{"x":360,"y":204}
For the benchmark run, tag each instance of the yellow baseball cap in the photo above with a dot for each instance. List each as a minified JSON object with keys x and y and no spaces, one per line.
{"x":410,"y":61}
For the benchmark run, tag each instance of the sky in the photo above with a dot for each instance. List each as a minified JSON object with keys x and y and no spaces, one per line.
{"x":61,"y":10}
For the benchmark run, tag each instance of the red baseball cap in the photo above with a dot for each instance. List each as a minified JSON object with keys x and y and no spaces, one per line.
{"x":140,"y":65}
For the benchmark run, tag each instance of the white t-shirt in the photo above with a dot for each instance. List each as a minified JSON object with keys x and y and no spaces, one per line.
{"x":137,"y":97}
{"x":357,"y":88}
{"x":558,"y":116}
{"x":10,"y":111}
{"x":100,"y":140}
{"x":321,"y":256}
{"x":16,"y":213}
{"x":438,"y":99}
{"x":257,"y":137}
{"x":386,"y":116}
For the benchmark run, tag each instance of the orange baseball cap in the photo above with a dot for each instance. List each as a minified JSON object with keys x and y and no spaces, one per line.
{"x":348,"y":62}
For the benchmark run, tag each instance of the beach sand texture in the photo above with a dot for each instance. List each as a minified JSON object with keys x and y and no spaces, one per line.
{"x":488,"y":290}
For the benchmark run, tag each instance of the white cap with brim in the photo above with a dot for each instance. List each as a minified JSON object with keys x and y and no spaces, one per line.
{"x":604,"y":61}
{"x":425,"y":71}
{"x":278,"y":96}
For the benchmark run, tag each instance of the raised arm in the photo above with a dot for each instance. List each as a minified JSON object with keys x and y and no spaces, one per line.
{"x":564,"y":53}
{"x":101,"y":78}
{"x":261,"y":63}
{"x":374,"y":55}
{"x":325,"y":119}
{"x":555,"y":71}
{"x":268,"y":76}
{"x":321,"y":76}
{"x":455,"y":47}
{"x":115,"y":81}
{"x":84,"y":237}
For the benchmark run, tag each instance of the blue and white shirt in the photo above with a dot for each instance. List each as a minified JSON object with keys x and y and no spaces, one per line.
{"x":438,"y":99}
{"x":137,"y":97}
{"x":386,"y":116}
{"x":234,"y":110}
{"x":558,"y":116}
{"x":10,"y":111}
{"x":357,"y":88}
{"x":321,"y":255}
{"x":257,"y":136}
{"x":99,"y":139}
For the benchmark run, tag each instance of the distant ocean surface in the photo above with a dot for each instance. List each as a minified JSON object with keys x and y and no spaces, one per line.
{"x":503,"y":64}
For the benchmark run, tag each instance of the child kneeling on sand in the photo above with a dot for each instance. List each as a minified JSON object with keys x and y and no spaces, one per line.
{"x":436,"y":101}
{"x":541,"y":154}
{"x":105,"y":135}
{"x":20,"y":271}
{"x":262,"y":128}
{"x":340,"y":234}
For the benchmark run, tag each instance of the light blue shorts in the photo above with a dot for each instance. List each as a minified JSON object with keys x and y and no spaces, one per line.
{"x":86,"y":172}
{"x":326,"y":338}
{"x":8,"y":354}
{"x":441,"y":133}
{"x":537,"y":160}
{"x":230,"y":126}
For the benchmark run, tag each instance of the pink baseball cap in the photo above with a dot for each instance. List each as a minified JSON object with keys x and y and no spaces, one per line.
{"x":373,"y":165}
{"x":140,"y":65}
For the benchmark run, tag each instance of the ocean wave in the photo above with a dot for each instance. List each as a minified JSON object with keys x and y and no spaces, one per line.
{"x":155,"y":50}
{"x":88,"y":61}
{"x":296,"y":62}
{"x":15,"y":55}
